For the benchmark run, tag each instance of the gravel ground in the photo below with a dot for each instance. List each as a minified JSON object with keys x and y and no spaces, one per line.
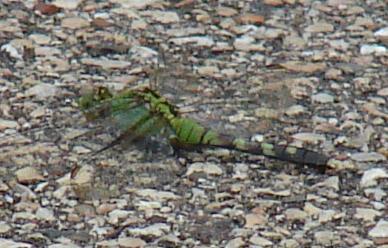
{"x":308,"y":72}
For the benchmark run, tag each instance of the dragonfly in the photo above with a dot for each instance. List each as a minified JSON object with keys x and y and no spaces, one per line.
{"x":140,"y":113}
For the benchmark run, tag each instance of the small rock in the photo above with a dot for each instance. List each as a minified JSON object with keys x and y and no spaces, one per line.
{"x":320,"y":28}
{"x":207,"y":168}
{"x":295,"y":214}
{"x":326,"y":216}
{"x":311,"y":210}
{"x":45,"y":214}
{"x":382,"y":35}
{"x":226,"y":11}
{"x":131,"y":243}
{"x":311,"y":138}
{"x":40,"y":39}
{"x":370,"y":177}
{"x":235,"y":243}
{"x":9,"y":243}
{"x":377,"y":193}
{"x":75,"y":23}
{"x":252,"y":19}
{"x":201,"y":41}
{"x":366,"y":214}
{"x":165,"y":17}
{"x":294,"y":42}
{"x":28,"y":175}
{"x":333,"y":74}
{"x":12,"y":51}
{"x":325,"y":237}
{"x":262,"y":242}
{"x":43,"y":91}
{"x":46,"y":51}
{"x":299,"y":66}
{"x":5,"y":124}
{"x":4,"y":228}
{"x":331,"y":182}
{"x":268,"y":191}
{"x":23,"y":216}
{"x":155,"y":230}
{"x":322,"y":98}
{"x":383,"y":92}
{"x":142,"y":52}
{"x":208,"y":71}
{"x":289,"y":243}
{"x":253,"y":219}
{"x":85,"y":175}
{"x":295,"y":110}
{"x":373,"y":49}
{"x":274,"y":2}
{"x":106,"y":64}
{"x":157,"y":195}
{"x":118,"y":215}
{"x":247,"y":43}
{"x":367,"y":157}
{"x":380,"y":230}
{"x":67,"y":4}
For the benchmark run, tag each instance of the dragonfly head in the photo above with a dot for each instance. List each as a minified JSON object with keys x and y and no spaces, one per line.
{"x":91,"y":99}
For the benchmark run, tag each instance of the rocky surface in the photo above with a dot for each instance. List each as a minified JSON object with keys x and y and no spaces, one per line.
{"x":311,"y":72}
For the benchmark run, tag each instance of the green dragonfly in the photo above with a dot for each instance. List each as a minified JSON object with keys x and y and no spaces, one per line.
{"x":143,"y":113}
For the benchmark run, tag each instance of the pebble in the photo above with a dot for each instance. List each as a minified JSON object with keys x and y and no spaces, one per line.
{"x":333,"y":74}
{"x":40,"y":39}
{"x":75,"y":23}
{"x":226,"y":11}
{"x":380,"y":230}
{"x":118,"y":215}
{"x":322,"y":98}
{"x":373,"y":49}
{"x":370,"y":177}
{"x":67,"y":4}
{"x":295,"y":110}
{"x":326,"y":238}
{"x":247,"y":43}
{"x":200,"y":41}
{"x":85,"y":175}
{"x":298,"y":66}
{"x":289,"y":243}
{"x":321,"y":27}
{"x":366,"y":214}
{"x":292,"y":214}
{"x":312,"y":138}
{"x":208,"y":71}
{"x":165,"y":17}
{"x":12,"y":51}
{"x":383,"y":92}
{"x":154,"y":230}
{"x":43,"y":91}
{"x":207,"y":168}
{"x":45,"y":214}
{"x":106,"y":64}
{"x":28,"y":175}
{"x":235,"y":243}
{"x":5,"y":124}
{"x":367,"y":157}
{"x":4,"y":228}
{"x":262,"y":242}
{"x":253,"y":219}
{"x":382,"y":34}
{"x":9,"y":243}
{"x":326,"y":216}
{"x":157,"y":195}
{"x":131,"y":243}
